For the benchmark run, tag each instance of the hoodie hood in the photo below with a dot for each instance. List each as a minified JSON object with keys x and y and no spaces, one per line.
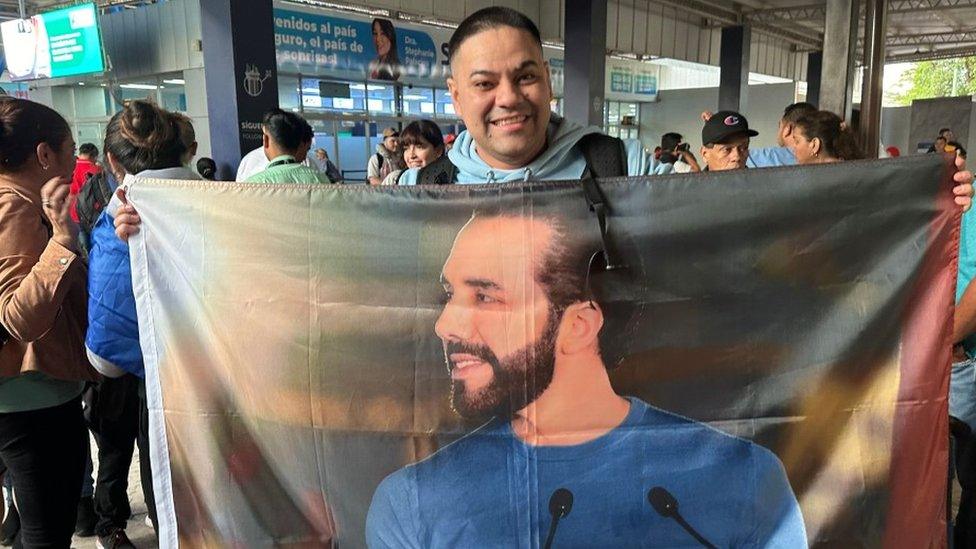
{"x":560,"y":159}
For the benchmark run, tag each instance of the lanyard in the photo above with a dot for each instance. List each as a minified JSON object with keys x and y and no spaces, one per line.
{"x":282,"y":162}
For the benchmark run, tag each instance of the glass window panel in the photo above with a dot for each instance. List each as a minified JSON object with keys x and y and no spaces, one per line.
{"x":324,"y":138}
{"x":442,"y":102}
{"x":381,"y":98}
{"x":352,"y":150}
{"x":89,"y":133}
{"x":613,"y":113}
{"x":62,"y":100}
{"x":137,"y":90}
{"x":288,"y":92}
{"x":91,"y":101}
{"x":173,"y":96}
{"x":418,"y":101}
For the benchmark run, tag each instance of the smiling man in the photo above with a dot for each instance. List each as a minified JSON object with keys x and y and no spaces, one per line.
{"x":500,"y":87}
{"x":529,"y":350}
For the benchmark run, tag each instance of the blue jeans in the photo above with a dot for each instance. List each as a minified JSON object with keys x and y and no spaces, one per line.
{"x":962,"y":392}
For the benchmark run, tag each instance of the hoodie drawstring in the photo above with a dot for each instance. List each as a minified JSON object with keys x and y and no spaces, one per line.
{"x":527,"y":175}
{"x":491,"y":177}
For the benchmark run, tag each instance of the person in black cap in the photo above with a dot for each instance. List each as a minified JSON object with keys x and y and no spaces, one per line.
{"x":725,"y":141}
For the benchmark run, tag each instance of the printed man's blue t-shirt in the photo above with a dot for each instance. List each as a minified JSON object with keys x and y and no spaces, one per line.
{"x":489,"y":489}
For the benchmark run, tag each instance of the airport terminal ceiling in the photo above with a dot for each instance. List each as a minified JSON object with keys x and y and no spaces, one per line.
{"x":917,"y":29}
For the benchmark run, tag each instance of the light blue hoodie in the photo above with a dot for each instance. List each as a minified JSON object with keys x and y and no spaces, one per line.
{"x":562,"y":159}
{"x":766,"y":157}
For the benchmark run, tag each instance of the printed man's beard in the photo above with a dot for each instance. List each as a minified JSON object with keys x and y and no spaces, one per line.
{"x":518,"y":380}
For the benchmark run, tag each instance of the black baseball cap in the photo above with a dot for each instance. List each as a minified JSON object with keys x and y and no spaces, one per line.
{"x":724,"y":125}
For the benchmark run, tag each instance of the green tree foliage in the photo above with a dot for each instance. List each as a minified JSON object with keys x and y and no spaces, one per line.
{"x":940,"y":78}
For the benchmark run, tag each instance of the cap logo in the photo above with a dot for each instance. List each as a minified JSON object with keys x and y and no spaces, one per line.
{"x":731,"y":120}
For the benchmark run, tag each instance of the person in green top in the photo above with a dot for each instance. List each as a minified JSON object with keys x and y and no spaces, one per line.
{"x":287,"y":139}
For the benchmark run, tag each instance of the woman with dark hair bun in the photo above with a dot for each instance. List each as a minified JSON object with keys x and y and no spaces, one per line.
{"x":422,"y":143}
{"x":821,"y":137}
{"x":386,"y":66}
{"x":43,"y":438}
{"x":142,"y":141}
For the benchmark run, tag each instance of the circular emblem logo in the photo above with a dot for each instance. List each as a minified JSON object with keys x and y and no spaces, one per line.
{"x":731,"y":120}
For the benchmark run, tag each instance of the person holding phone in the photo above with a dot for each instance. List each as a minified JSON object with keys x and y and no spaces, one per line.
{"x":678,"y":153}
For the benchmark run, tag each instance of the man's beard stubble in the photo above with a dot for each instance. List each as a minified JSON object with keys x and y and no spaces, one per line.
{"x":517,"y":381}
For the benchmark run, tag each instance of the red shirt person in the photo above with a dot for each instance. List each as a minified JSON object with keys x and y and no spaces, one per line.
{"x":86,"y":164}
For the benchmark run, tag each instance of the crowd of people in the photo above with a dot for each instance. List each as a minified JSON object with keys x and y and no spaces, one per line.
{"x":68,"y":327}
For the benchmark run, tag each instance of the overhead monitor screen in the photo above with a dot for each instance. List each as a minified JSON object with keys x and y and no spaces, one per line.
{"x":59,"y":43}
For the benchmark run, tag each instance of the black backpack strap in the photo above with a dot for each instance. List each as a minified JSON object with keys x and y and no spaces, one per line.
{"x":379,"y":161}
{"x":598,"y":205}
{"x":439,"y":172}
{"x":605,"y":156}
{"x":105,"y":190}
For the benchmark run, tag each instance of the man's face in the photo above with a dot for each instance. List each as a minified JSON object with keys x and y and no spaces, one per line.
{"x":320,"y":155}
{"x":940,"y":144}
{"x":727,"y":156}
{"x":948,"y":135}
{"x":500,"y":88}
{"x":391,"y":143}
{"x":497,"y":327}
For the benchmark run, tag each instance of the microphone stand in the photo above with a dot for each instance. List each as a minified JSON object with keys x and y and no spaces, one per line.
{"x":560,"y":504}
{"x":666,"y":505}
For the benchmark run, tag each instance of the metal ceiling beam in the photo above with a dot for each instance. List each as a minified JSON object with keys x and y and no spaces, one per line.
{"x":727,"y":17}
{"x":815,"y":12}
{"x":932,"y":38}
{"x":704,"y":9}
{"x":948,"y":53}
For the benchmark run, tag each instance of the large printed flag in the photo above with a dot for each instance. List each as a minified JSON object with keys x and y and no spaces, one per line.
{"x":748,"y":359}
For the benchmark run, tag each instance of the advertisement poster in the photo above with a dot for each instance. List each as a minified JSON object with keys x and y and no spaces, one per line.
{"x":329,"y":44}
{"x":65,"y":42}
{"x":765,"y":364}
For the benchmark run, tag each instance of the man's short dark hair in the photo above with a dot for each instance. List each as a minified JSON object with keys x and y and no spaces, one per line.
{"x":288,"y":130}
{"x":487,"y":19}
{"x":797,"y":111}
{"x":88,"y":149}
{"x":562,"y":274}
{"x":944,"y":130}
{"x":670,"y":140}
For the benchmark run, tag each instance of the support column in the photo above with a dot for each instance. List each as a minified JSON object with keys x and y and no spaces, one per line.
{"x":241,"y":76}
{"x":814,"y":70}
{"x":875,"y":29}
{"x":840,"y":46}
{"x":586,"y":60}
{"x":734,"y":69}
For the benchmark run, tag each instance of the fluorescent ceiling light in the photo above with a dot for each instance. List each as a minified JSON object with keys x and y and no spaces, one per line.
{"x":138,"y":86}
{"x":179,"y":81}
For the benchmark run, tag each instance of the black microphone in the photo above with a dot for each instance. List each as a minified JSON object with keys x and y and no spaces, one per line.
{"x":207,"y":168}
{"x":666,"y":505}
{"x":560,"y":504}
